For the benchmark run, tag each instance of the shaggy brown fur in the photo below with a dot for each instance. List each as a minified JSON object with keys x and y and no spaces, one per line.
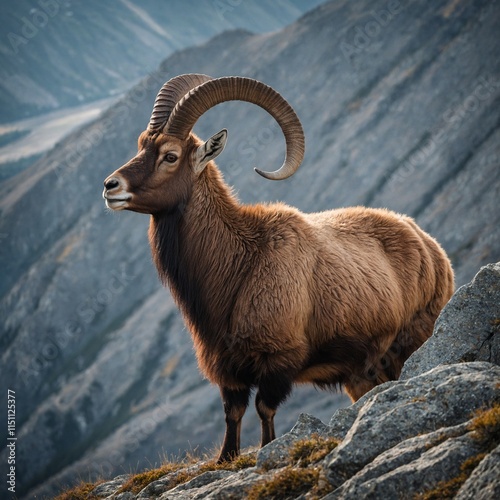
{"x":274,"y":297}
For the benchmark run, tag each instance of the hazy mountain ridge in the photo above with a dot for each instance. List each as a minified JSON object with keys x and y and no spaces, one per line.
{"x":59,"y":53}
{"x":95,"y":348}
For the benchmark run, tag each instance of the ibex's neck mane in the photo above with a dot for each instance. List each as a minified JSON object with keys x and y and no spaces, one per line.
{"x":202,"y":252}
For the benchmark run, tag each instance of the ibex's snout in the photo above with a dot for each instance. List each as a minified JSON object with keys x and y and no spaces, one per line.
{"x":115,"y":193}
{"x":111,"y":183}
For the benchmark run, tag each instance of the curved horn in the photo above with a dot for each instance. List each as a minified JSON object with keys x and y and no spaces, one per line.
{"x":170,"y":94}
{"x":203,"y":97}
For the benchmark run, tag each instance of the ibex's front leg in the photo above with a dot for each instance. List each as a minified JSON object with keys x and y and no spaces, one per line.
{"x":235,"y":403}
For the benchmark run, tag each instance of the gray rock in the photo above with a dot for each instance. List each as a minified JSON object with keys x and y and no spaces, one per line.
{"x":391,"y":465}
{"x":468,"y":328}
{"x":126,"y":495}
{"x":420,"y":467}
{"x":484,"y":482}
{"x":439,"y":398}
{"x":216,"y":485}
{"x":407,"y":437}
{"x":107,"y":489}
{"x":160,"y":486}
{"x":276,"y":453}
{"x":198,"y":483}
{"x":343,"y":419}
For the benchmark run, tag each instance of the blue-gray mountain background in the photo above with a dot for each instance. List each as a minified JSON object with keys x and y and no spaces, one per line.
{"x":400,"y":106}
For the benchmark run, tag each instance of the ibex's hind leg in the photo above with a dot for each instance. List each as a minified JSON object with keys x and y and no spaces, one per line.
{"x":235,"y":403}
{"x":273,"y":390}
{"x":388,"y":367}
{"x":409,"y":340}
{"x":357,"y":387}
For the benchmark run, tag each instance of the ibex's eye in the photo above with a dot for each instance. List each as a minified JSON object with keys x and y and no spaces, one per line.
{"x":170,"y":158}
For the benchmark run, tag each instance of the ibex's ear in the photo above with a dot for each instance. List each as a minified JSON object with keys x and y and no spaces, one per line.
{"x":210,"y":150}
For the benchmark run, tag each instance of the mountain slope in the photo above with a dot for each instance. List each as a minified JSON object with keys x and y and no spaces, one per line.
{"x":57,"y":53}
{"x":400,"y":110}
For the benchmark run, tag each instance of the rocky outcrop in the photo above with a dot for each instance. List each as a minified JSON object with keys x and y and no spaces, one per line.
{"x":401,"y":440}
{"x":467,"y":329}
{"x":434,"y":432}
{"x":413,"y":434}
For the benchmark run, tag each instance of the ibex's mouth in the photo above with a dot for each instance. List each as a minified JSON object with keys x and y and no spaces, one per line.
{"x":115,"y":203}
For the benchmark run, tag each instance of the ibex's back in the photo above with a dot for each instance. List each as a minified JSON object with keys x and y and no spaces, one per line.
{"x":390,"y":281}
{"x":273,"y":296}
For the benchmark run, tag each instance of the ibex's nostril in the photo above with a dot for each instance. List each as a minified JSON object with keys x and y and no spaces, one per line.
{"x":111,"y":183}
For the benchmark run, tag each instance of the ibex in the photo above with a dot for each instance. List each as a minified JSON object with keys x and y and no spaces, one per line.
{"x":273,"y":296}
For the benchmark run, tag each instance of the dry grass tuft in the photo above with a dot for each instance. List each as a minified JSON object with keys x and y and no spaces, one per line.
{"x":300,"y":476}
{"x":486,"y":426}
{"x":182,"y":472}
{"x":139,"y":481}
{"x":288,"y":483}
{"x":82,"y":491}
{"x":311,"y":450}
